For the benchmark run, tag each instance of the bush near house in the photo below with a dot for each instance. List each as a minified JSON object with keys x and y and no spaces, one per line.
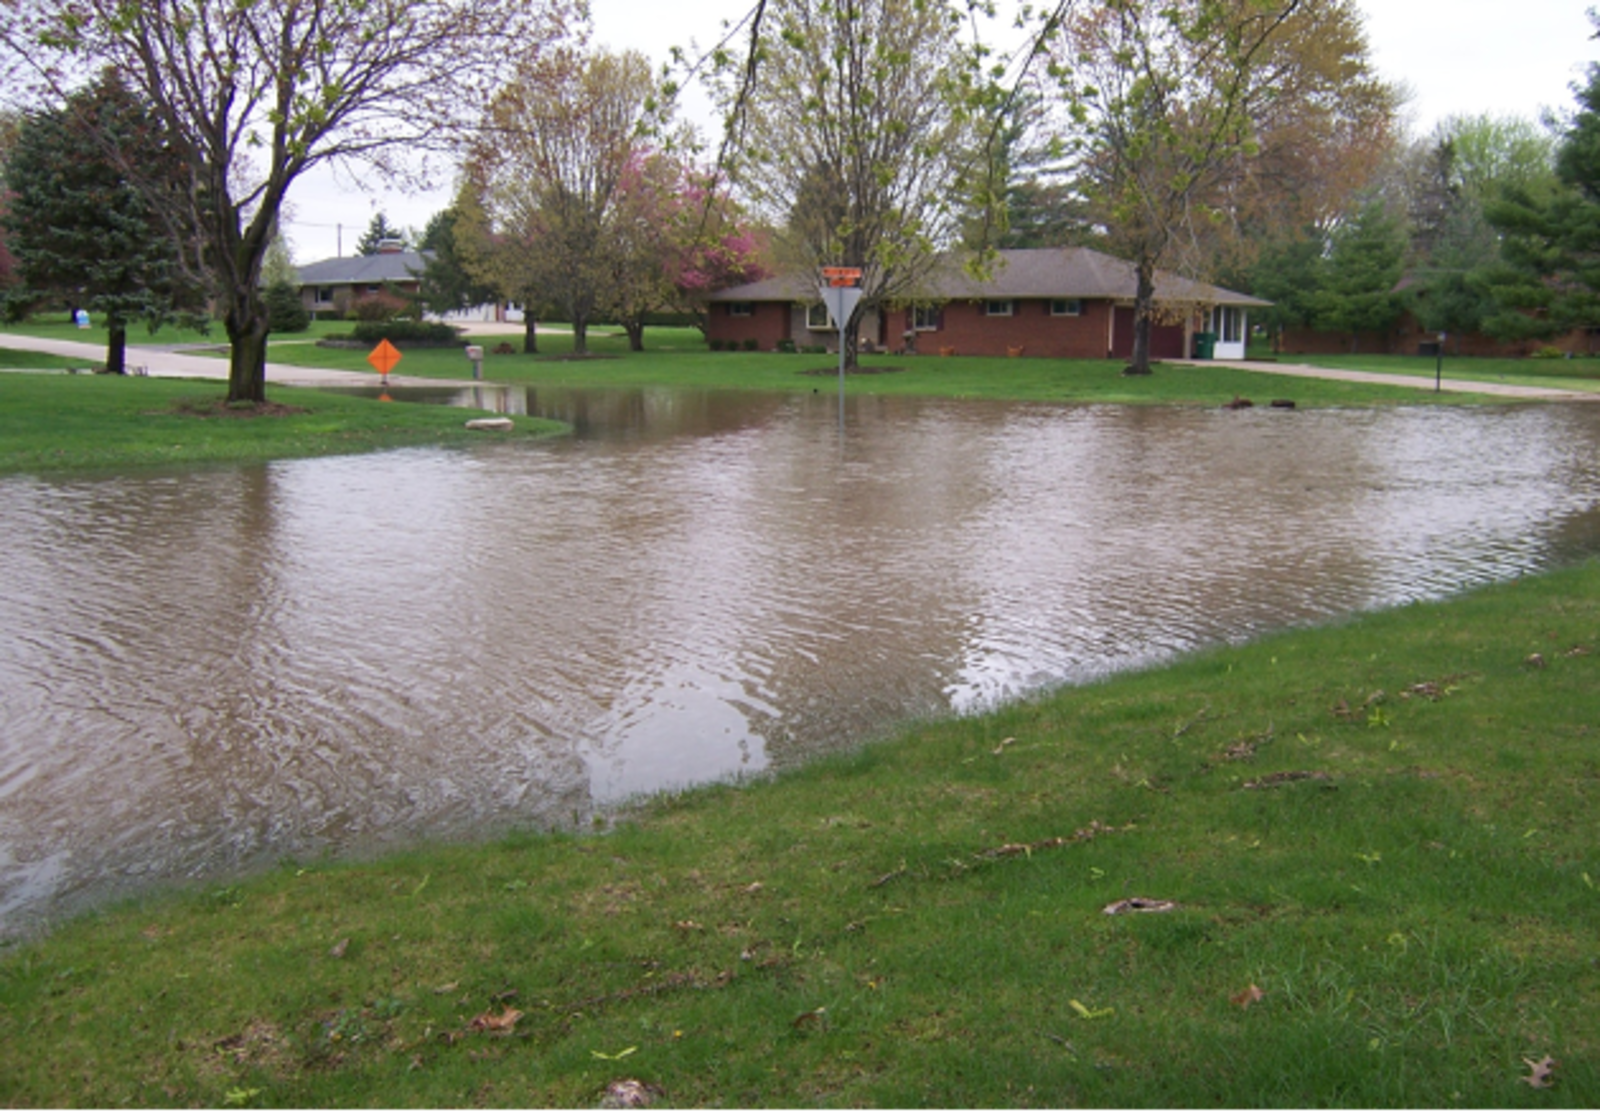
{"x":407,"y":333}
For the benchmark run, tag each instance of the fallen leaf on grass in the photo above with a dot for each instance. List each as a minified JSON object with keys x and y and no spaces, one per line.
{"x":816,"y":1015}
{"x":617,"y":1057}
{"x":1001,"y":748}
{"x":1273,"y":779}
{"x":1138,"y":903}
{"x":1534,"y":660}
{"x":1090,"y":1013}
{"x":503,"y":1023}
{"x":1247,"y":997}
{"x":339,"y":948}
{"x":688,"y":925}
{"x":1540,"y":1071}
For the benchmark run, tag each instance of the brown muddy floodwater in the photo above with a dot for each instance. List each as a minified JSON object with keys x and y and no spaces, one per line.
{"x":205,"y":671}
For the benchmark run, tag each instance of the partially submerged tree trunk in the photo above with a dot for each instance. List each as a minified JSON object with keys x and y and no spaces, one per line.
{"x":1144,"y":305}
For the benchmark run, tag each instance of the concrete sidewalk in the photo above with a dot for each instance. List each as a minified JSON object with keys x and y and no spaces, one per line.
{"x":1413,"y":382}
{"x":159,"y":363}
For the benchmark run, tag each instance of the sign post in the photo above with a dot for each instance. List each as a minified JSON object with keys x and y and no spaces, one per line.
{"x":383,"y":358}
{"x":841,"y":294}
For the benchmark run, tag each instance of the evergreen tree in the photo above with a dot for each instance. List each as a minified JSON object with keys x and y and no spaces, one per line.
{"x":79,"y":229}
{"x":286,"y":312}
{"x":446,"y":285}
{"x":1364,"y":266}
{"x":1549,"y":280}
{"x":377,"y":231}
{"x":1289,"y":274}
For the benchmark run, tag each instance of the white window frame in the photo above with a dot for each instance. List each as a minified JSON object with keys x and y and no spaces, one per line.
{"x":1227,"y":323}
{"x":1069,"y":307}
{"x":741,"y":308}
{"x":815,"y":310}
{"x":925,"y":319}
{"x":990,"y":307}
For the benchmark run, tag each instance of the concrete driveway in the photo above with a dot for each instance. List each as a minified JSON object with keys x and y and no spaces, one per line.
{"x":1413,"y":382}
{"x":162,"y":363}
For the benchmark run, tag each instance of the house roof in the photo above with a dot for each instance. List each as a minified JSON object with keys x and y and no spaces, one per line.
{"x":394,"y":266}
{"x":1033,"y":272}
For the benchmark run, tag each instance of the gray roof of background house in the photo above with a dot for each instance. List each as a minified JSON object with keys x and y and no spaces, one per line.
{"x":1032,"y":272}
{"x":397,"y":266}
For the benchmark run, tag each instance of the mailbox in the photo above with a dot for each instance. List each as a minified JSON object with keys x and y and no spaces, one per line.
{"x":475,"y":353}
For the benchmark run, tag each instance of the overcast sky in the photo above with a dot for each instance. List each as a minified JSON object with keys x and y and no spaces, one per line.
{"x":1456,"y":57}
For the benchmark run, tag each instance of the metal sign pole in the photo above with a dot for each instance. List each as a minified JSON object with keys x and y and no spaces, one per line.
{"x":841,"y":297}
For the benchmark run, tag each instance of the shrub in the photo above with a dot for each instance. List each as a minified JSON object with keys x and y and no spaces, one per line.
{"x":786,"y":345}
{"x":752,"y":345}
{"x":1548,"y":353}
{"x":285,"y":311}
{"x":403,"y":332}
{"x":716,"y":345}
{"x":377,"y":307}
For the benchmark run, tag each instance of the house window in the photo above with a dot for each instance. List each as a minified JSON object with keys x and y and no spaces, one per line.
{"x":1228,"y":323}
{"x":1067,"y":307}
{"x":817,"y":318}
{"x":740,"y":308}
{"x":374,"y":289}
{"x":324,"y":295}
{"x":925,"y":320}
{"x":997,"y":308}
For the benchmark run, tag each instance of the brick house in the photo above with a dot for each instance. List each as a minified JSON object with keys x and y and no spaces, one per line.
{"x":339,"y":283}
{"x":1059,"y":302}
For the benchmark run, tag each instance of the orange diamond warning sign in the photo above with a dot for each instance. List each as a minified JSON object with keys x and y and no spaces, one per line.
{"x":384,"y":357}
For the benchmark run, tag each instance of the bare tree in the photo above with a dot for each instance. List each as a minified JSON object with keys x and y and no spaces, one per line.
{"x":1170,"y":105}
{"x":551,"y":165}
{"x":254,"y":93}
{"x":855,"y":136}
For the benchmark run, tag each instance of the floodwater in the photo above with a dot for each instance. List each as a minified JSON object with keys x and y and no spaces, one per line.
{"x":205,"y":671}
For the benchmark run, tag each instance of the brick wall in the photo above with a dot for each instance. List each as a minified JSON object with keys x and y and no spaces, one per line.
{"x":767,"y":323}
{"x":964,"y":327}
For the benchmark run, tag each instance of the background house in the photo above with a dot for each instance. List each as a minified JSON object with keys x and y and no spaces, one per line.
{"x":1059,"y":302}
{"x":337,"y":284}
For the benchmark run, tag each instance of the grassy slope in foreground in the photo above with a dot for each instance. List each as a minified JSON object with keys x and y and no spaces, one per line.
{"x":1386,"y":826}
{"x":79,"y":422}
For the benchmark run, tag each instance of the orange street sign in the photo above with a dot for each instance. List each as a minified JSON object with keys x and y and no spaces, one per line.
{"x":384,"y":357}
{"x":851,"y":272}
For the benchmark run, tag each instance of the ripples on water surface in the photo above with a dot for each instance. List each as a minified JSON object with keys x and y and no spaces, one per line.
{"x":201,"y":671}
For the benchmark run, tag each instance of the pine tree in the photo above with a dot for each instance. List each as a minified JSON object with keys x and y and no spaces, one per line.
{"x":78,"y":229}
{"x":379,"y":230}
{"x":1364,"y":266}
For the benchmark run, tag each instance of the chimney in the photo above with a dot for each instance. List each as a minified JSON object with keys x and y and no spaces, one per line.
{"x":391,"y":246}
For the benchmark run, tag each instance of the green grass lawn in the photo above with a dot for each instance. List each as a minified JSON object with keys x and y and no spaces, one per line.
{"x":101,"y":422}
{"x":1379,"y":838}
{"x":13,"y":360}
{"x":678,"y":357}
{"x":1561,"y":374}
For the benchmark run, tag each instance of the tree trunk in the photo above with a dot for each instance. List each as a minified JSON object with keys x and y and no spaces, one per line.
{"x":635,"y":331}
{"x":580,"y":335}
{"x":530,"y":333}
{"x":246,"y":322}
{"x":116,"y":346}
{"x":1144,"y":303}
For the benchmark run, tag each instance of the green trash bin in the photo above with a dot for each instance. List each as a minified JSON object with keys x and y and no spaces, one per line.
{"x":1205,"y":345}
